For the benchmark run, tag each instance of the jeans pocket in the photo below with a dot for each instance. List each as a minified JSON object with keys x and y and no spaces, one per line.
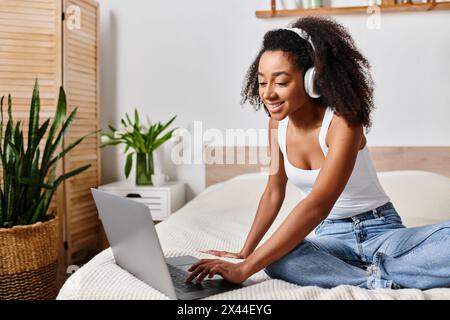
{"x":391,"y":216}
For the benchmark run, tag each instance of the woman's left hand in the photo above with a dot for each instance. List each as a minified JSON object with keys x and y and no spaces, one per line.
{"x":232,"y":272}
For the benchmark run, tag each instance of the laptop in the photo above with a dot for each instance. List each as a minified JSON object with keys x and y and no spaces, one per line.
{"x":136,"y":248}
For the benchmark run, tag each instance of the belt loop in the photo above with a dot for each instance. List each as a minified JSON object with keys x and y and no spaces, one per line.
{"x":375,"y":213}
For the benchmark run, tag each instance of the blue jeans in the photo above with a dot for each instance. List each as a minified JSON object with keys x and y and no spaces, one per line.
{"x":370,"y":250}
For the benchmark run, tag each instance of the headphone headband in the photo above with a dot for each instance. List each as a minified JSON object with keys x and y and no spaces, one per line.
{"x":310,"y":74}
{"x":303,"y":34}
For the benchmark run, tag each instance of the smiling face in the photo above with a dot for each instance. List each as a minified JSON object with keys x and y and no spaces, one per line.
{"x":280,"y":84}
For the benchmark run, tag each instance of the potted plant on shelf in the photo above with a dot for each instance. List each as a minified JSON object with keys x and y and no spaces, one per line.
{"x":142,"y":142}
{"x":28,"y":231}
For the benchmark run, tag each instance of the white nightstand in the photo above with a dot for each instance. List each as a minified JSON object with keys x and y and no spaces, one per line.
{"x":162,"y":201}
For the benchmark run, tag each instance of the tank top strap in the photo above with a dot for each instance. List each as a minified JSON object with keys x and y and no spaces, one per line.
{"x":329,"y":112}
{"x":282,"y":134}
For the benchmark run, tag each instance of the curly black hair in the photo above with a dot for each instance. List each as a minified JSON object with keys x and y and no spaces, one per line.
{"x":342,"y":73}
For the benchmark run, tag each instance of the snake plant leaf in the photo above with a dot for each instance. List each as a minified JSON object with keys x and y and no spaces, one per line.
{"x":12,"y":146}
{"x":44,"y":201}
{"x":42,"y":204}
{"x":16,"y":134}
{"x":36,"y":212}
{"x":1,"y":115}
{"x":9,"y":124}
{"x":25,"y":218}
{"x":128,"y":164}
{"x":58,"y":139}
{"x":57,"y":121}
{"x":7,"y":138}
{"x":51,"y":180}
{"x":21,"y":145}
{"x":14,"y":177}
{"x":70,"y":174}
{"x":34,"y":118}
{"x":41,"y":131}
{"x":1,"y":209}
{"x":70,"y":147}
{"x":29,"y":181}
{"x":35,"y":171}
{"x":31,"y":161}
{"x":32,"y":191}
{"x":10,"y":108}
{"x":32,"y":128}
{"x":10,"y":196}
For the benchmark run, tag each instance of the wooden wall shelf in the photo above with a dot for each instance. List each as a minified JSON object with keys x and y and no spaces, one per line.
{"x":407,"y":7}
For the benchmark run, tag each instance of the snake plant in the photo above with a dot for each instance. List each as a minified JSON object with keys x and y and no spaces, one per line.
{"x":29,"y":175}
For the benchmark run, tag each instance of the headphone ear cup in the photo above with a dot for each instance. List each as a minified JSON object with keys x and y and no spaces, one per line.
{"x":310,"y":75}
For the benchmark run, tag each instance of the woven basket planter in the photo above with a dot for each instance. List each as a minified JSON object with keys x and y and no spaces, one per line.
{"x":28,"y":261}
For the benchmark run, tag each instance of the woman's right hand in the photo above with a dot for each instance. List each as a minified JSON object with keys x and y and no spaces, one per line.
{"x":226,"y":254}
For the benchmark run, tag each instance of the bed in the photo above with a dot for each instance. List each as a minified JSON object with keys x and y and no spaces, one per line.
{"x":220,"y":217}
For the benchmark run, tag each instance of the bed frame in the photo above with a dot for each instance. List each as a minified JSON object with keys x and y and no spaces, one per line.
{"x":434,"y":159}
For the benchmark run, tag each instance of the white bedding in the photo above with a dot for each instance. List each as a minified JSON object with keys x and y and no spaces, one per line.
{"x":220,"y":217}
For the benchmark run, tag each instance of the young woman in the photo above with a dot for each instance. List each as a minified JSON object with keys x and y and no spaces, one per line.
{"x":316,"y":87}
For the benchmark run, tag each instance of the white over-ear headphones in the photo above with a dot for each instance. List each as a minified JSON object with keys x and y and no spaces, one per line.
{"x":310,"y":74}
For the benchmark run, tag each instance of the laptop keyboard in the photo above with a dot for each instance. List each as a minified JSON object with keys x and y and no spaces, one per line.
{"x":179,"y":281}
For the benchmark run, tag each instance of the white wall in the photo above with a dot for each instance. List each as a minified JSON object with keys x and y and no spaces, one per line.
{"x":189,"y":58}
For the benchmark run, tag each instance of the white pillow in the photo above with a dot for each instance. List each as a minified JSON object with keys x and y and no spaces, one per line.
{"x":420,"y":197}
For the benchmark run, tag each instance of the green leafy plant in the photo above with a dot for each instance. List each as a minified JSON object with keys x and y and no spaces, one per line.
{"x":29,"y":176}
{"x":135,"y":137}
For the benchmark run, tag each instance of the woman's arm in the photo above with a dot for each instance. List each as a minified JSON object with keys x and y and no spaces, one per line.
{"x":270,"y":202}
{"x":334,"y":174}
{"x":273,"y":195}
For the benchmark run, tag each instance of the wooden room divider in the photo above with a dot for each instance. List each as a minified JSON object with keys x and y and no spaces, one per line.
{"x":56,"y":41}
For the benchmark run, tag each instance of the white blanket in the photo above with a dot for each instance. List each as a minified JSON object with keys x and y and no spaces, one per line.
{"x":219,"y":218}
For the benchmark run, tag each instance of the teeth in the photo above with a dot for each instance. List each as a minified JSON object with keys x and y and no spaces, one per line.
{"x":276,"y":105}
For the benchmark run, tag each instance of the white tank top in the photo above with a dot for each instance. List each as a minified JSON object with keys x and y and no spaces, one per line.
{"x":363,"y":191}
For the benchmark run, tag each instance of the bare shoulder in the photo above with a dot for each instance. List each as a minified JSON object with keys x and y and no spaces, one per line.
{"x":339,"y":129}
